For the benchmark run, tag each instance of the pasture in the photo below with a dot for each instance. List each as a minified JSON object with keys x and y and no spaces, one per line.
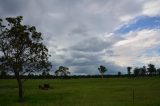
{"x":84,"y":92}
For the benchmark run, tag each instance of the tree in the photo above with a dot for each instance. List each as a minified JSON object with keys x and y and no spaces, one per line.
{"x":129,"y":70}
{"x":119,"y":73}
{"x":151,"y":69}
{"x":62,"y":71}
{"x":158,"y":71}
{"x":136,"y":71}
{"x":102,"y":70}
{"x":143,"y":71}
{"x":22,"y":50}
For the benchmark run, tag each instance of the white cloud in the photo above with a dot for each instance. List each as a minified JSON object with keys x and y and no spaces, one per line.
{"x":126,"y":18}
{"x":151,"y":8}
{"x":132,"y":50}
{"x":140,"y":39}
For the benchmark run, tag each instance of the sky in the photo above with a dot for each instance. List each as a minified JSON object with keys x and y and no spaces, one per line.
{"x":83,"y":34}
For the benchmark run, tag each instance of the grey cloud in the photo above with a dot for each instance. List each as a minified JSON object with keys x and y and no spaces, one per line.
{"x":74,"y":29}
{"x":87,"y":63}
{"x":96,"y":44}
{"x":92,"y":45}
{"x":12,"y":6}
{"x":80,"y":30}
{"x":93,"y":69}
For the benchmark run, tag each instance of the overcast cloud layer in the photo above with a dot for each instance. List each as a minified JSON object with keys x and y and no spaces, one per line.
{"x":83,"y":34}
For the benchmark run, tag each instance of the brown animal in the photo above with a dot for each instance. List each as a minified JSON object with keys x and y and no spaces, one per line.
{"x":44,"y":87}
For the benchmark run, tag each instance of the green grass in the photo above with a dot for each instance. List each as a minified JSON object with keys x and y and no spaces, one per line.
{"x":84,"y":92}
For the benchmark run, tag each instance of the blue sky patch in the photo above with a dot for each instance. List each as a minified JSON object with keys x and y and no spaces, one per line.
{"x":140,"y":23}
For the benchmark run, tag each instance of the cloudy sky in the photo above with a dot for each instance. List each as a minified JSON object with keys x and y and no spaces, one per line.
{"x":83,"y":34}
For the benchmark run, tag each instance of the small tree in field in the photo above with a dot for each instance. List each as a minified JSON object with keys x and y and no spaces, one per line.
{"x":62,"y":71}
{"x":102,"y":70}
{"x":22,"y":50}
{"x":129,"y":71}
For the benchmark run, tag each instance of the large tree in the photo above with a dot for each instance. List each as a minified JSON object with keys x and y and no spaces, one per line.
{"x":102,"y":70}
{"x":22,"y":50}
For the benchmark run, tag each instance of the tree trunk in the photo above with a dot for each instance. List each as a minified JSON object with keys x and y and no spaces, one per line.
{"x":20,"y":90}
{"x":101,"y":75}
{"x":20,"y":87}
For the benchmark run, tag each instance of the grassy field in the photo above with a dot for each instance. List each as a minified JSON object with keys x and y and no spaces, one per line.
{"x":84,"y":92}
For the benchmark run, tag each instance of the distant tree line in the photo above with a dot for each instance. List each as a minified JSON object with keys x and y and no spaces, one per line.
{"x":144,"y":71}
{"x":63,"y":73}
